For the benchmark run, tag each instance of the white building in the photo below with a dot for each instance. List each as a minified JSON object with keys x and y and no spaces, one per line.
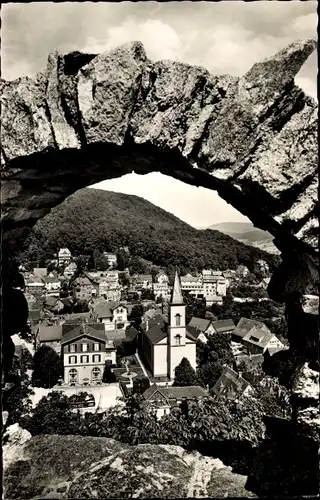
{"x":112,"y":314}
{"x":85,"y":351}
{"x":111,"y":258}
{"x":70,"y":270}
{"x":64,"y":257}
{"x":193,"y":285}
{"x":52,"y":285}
{"x":165,"y":343}
{"x":161,"y":288}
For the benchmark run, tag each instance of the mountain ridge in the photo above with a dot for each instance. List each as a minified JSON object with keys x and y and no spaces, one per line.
{"x":95,"y":219}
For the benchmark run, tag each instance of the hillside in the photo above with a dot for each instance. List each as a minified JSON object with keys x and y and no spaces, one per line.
{"x":245,"y":232}
{"x":93,"y":219}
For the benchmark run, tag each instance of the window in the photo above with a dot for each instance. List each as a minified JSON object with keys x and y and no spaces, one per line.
{"x":178,"y":319}
{"x":96,"y":373}
{"x":178,"y":339}
{"x":84,"y":359}
{"x":96,"y":358}
{"x":84,"y":347}
{"x":97,"y":346}
{"x":254,"y":339}
{"x":73,"y":375}
{"x":72,"y":360}
{"x":72,"y":348}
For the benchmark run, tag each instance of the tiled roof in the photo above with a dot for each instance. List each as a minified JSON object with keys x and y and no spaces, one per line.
{"x":223,"y":325}
{"x":230,"y":384}
{"x":194,"y":332}
{"x":34,"y":314}
{"x":50,"y":333}
{"x":258,"y":337}
{"x":51,"y":301}
{"x":82,"y":282}
{"x":188,"y":277}
{"x":144,"y":277}
{"x":155,"y":334}
{"x":84,"y":330}
{"x":116,"y":335}
{"x":199,"y":323}
{"x":245,"y":325}
{"x":131,"y":332}
{"x":77,"y":317}
{"x":150,"y":313}
{"x":176,"y":393}
{"x":105,"y":308}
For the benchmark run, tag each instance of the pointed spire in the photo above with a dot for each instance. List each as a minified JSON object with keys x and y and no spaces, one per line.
{"x":176,"y":297}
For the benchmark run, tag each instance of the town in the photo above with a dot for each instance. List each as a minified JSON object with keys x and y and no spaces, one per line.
{"x":111,"y":332}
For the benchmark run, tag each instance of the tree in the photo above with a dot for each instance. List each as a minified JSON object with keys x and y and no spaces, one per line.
{"x":81,"y":306}
{"x":136,"y":315}
{"x":140,"y":384}
{"x":47,"y":367}
{"x":16,"y":399}
{"x":108,"y":375}
{"x":52,"y":415}
{"x":184,"y":374}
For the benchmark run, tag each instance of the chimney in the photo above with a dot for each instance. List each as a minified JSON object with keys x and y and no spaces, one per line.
{"x":239,"y":374}
{"x":147,"y":325}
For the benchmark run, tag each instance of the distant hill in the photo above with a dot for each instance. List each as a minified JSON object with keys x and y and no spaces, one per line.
{"x":94,"y":219}
{"x":246,"y":233}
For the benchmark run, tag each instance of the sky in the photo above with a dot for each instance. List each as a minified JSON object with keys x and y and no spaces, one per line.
{"x":225,"y":37}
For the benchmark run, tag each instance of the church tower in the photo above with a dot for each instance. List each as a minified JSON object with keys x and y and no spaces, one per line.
{"x":176,"y":328}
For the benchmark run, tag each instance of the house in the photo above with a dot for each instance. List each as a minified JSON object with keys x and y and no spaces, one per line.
{"x":35,"y":286}
{"x":109,"y":292}
{"x":214,"y":299}
{"x":82,"y":289}
{"x":111,"y":258}
{"x":64,"y":257}
{"x":161,"y":288}
{"x":244,"y":326}
{"x":163,"y":399}
{"x":230,"y":275}
{"x":204,"y":325}
{"x":193,"y":285}
{"x":165,"y":341}
{"x":84,"y":354}
{"x":53,"y":304}
{"x":40,"y":272}
{"x":112,"y":314}
{"x":223,"y":326}
{"x":70,"y":270}
{"x":231,"y":385}
{"x":270,"y":351}
{"x":214,"y":283}
{"x":258,"y":340}
{"x":197,"y":334}
{"x":52,"y":285}
{"x":50,"y":336}
{"x":143,"y":281}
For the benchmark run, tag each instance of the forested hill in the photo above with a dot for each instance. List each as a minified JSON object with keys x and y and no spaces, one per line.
{"x":93,"y":219}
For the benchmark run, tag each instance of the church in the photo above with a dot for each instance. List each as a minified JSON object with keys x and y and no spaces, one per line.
{"x":166,"y":340}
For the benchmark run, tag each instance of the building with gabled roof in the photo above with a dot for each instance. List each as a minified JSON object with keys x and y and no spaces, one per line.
{"x":85,"y":350}
{"x":245,"y":325}
{"x":231,"y":385}
{"x":223,"y":326}
{"x":258,"y":340}
{"x":163,"y":399}
{"x":113,"y":315}
{"x":64,"y":256}
{"x":165,"y":341}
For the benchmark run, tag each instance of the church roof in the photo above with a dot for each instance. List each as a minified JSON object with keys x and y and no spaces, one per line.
{"x":176,"y":297}
{"x":156,"y":333}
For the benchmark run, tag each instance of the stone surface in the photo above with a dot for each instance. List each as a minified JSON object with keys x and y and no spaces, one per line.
{"x":85,"y":467}
{"x":14,"y":439}
{"x":87,"y":118}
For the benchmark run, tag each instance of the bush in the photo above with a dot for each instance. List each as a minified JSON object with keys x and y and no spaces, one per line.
{"x":108,"y":375}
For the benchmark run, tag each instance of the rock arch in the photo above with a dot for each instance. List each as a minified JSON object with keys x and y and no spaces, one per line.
{"x":87,"y":118}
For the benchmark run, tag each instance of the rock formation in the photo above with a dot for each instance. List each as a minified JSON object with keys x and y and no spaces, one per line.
{"x":86,"y":467}
{"x":88,"y":118}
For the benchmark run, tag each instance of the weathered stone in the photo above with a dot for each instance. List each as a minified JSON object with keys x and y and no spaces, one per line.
{"x":107,"y":90}
{"x":88,"y":467}
{"x":250,"y":138}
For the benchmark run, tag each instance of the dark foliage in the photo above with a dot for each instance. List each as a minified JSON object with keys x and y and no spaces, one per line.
{"x":47,"y":367}
{"x":83,"y":224}
{"x":108,"y":375}
{"x":184,"y":374}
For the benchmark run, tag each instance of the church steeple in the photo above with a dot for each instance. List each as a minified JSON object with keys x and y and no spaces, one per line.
{"x":176,"y":297}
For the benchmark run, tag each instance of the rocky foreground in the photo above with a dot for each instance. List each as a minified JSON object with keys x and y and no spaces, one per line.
{"x":52,"y":466}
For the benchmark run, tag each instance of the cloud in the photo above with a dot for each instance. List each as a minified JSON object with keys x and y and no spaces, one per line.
{"x":149,"y":32}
